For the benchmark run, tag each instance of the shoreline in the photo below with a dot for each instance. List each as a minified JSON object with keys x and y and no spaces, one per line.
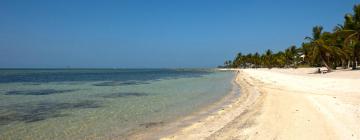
{"x":158,"y":131}
{"x":285,"y":104}
{"x":241,"y":106}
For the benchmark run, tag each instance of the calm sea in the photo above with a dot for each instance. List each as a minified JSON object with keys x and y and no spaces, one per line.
{"x":101,"y":103}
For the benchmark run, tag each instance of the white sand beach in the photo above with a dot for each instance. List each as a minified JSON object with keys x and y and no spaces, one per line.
{"x":285,"y":104}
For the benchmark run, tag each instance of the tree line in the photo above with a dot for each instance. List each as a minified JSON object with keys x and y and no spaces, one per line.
{"x":339,"y":48}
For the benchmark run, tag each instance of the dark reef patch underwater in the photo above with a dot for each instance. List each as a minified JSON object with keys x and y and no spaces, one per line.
{"x":120,"y":83}
{"x":28,"y":112}
{"x":125,"y":94}
{"x":38,"y":76}
{"x":38,"y":92}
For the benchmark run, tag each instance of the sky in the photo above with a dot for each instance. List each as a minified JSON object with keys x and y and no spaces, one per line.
{"x":154,"y":33}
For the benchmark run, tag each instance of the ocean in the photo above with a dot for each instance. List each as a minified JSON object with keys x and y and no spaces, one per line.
{"x":74,"y":104}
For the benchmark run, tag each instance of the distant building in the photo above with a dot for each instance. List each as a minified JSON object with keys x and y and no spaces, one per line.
{"x":303,"y":57}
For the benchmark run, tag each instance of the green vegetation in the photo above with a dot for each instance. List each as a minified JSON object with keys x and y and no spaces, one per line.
{"x":339,"y":48}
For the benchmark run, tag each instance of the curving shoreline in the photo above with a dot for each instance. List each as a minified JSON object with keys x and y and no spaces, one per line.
{"x":285,"y":104}
{"x":163,"y":129}
{"x":215,"y":122}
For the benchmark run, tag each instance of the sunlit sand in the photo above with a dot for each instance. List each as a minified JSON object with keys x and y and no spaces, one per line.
{"x":286,"y":104}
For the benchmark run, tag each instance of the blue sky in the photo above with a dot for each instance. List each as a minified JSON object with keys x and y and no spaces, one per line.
{"x":154,"y":33}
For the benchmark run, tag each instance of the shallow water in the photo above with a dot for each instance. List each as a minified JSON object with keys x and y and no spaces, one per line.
{"x":101,"y":103}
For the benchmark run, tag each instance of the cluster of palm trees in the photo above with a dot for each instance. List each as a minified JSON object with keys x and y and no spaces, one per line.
{"x":339,"y":48}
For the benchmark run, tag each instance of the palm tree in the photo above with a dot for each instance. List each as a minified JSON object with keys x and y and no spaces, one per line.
{"x":352,"y":29}
{"x":268,"y":58}
{"x":228,"y":64}
{"x":288,"y":57}
{"x":305,"y":51}
{"x":279,"y":59}
{"x":256,"y":60}
{"x":237,"y":60}
{"x":344,"y":53}
{"x":249,"y":62}
{"x":291,"y":55}
{"x":330,"y":49}
{"x":294,"y":52}
{"x":225,"y":64}
{"x":318,"y":49}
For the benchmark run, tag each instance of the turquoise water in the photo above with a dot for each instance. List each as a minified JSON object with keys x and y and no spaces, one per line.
{"x":101,"y":103}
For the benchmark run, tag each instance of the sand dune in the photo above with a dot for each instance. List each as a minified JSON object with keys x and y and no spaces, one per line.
{"x":286,"y":104}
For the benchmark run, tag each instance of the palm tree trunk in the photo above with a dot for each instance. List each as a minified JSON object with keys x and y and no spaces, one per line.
{"x":343,"y":64}
{"x":354,"y":63}
{"x":326,"y":65}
